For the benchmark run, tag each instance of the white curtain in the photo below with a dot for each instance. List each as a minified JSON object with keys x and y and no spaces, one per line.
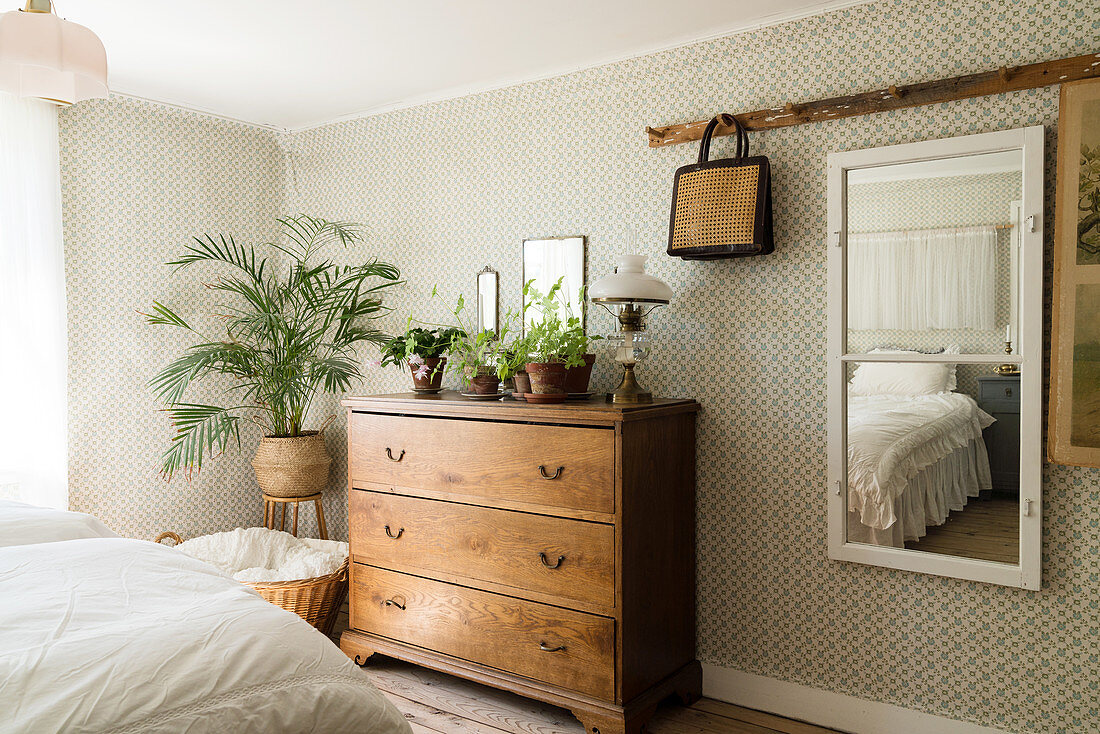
{"x":923,"y":279}
{"x":33,"y":420}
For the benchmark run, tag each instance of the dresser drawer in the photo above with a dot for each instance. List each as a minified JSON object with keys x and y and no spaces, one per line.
{"x":561,"y":647}
{"x":553,"y":466}
{"x":568,"y":559}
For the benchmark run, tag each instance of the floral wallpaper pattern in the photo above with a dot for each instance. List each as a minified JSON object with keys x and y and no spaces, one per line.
{"x":450,"y":187}
{"x":138,"y":180}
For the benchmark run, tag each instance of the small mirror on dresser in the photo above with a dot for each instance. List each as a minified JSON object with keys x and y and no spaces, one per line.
{"x":548,"y":259}
{"x":935,"y":361}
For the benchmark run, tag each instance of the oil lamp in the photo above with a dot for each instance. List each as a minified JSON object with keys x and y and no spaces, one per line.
{"x":629,"y":294}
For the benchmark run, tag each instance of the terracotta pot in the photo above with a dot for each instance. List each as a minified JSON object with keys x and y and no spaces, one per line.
{"x":485,"y":384}
{"x":523,"y":383}
{"x":548,"y":379}
{"x":295,"y":466}
{"x":576,"y":378}
{"x":434,"y":379}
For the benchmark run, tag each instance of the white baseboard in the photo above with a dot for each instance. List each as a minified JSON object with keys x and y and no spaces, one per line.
{"x":825,"y":708}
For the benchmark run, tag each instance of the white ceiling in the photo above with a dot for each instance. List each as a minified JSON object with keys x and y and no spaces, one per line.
{"x":299,"y":63}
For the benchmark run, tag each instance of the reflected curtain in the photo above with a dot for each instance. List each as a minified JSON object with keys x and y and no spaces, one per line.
{"x":33,"y":442}
{"x":923,"y":279}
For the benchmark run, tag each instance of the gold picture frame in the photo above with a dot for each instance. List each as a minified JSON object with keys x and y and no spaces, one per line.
{"x":1074,"y":420}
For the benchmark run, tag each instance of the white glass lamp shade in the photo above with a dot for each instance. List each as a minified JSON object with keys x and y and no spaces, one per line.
{"x":44,"y":56}
{"x":630,"y":284}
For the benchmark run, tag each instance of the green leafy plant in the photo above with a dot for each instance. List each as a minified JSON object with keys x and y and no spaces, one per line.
{"x":559,"y":336}
{"x":287,"y":337}
{"x":416,"y":345}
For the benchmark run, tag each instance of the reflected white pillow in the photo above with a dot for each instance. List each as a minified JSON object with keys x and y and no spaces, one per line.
{"x":952,"y":377}
{"x":900,"y":378}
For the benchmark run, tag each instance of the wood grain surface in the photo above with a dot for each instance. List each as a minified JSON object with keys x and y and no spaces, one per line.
{"x":553,"y":466}
{"x":560,"y":646}
{"x":561,"y":560}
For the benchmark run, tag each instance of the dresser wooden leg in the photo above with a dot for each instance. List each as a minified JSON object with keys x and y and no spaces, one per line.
{"x":602,"y":723}
{"x":689,"y":683}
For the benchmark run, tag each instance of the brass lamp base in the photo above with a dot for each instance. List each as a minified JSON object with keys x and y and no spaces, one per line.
{"x":629,"y":391}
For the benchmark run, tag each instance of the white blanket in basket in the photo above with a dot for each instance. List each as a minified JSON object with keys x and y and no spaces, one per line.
{"x":116,"y":635}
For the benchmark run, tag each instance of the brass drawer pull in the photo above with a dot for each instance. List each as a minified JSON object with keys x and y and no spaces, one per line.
{"x":400,"y":456}
{"x":395,"y":537}
{"x":546,"y":648}
{"x":395,"y":603}
{"x":542,"y":557}
{"x":555,"y":475}
{"x":1008,"y":392}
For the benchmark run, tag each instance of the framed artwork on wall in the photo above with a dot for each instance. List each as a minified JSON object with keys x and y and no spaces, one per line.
{"x":1074,"y":435}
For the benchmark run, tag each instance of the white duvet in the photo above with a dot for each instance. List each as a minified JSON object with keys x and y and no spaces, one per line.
{"x":892,"y":438}
{"x":115,"y":635}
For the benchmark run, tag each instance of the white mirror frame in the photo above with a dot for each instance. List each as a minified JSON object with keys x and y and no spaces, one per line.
{"x":1028,"y":572}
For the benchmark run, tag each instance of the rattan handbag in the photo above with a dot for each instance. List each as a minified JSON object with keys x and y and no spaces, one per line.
{"x":722,"y":208}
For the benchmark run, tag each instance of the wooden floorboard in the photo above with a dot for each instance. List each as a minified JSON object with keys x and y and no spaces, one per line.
{"x":436,"y":703}
{"x":984,"y":529}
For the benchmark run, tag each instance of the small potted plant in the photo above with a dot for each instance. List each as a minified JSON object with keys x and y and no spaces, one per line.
{"x":555,"y":344}
{"x":514,"y":366}
{"x":478,"y":357}
{"x":422,"y":350}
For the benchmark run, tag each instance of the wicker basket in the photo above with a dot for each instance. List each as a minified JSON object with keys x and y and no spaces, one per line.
{"x":292,"y":467}
{"x":317,"y":600}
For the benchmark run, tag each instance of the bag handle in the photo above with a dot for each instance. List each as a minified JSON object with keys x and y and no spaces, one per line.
{"x":727,"y":120}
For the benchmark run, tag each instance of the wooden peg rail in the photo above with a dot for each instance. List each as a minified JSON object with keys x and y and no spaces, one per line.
{"x":1005,"y":79}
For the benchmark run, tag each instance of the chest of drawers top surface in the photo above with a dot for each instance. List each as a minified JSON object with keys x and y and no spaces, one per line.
{"x":594,"y":410}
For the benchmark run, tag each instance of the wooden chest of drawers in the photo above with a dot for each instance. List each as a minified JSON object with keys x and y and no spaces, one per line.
{"x":545,"y":549}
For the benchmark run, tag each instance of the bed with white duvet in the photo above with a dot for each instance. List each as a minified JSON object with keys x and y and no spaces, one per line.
{"x":915,"y":451}
{"x":107,"y":634}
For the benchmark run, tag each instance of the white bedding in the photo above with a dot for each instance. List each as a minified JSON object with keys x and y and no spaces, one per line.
{"x":118,"y":635}
{"x":912,"y":458}
{"x":22,"y":524}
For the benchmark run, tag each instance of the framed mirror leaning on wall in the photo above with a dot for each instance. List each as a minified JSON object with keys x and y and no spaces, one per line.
{"x":935,"y":356}
{"x":488,"y":300}
{"x":545,"y":259}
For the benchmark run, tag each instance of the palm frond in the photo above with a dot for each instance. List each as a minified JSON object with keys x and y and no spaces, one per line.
{"x":164,"y":316}
{"x":225,"y":251}
{"x":200,"y":429}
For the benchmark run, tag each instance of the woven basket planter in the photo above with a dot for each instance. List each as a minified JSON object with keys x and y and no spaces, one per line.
{"x":292,"y":467}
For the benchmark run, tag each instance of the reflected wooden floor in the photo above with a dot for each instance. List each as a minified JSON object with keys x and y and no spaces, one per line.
{"x":984,"y":529}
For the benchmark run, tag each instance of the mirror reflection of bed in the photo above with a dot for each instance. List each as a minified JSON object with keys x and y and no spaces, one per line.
{"x":933,"y":448}
{"x":923,"y":456}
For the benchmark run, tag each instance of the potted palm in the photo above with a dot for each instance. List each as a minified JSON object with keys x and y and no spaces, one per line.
{"x":555,"y":344}
{"x":288,"y":337}
{"x":423,"y":351}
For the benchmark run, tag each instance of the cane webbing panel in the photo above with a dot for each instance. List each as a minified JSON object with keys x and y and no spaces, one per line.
{"x":716,"y":206}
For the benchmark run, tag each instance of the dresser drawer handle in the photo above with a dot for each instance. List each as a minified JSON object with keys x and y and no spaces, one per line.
{"x":391,"y":535}
{"x":400,"y":456}
{"x":545,"y":562}
{"x":1008,"y":392}
{"x":395,"y":603}
{"x":546,"y":648}
{"x":555,"y":475}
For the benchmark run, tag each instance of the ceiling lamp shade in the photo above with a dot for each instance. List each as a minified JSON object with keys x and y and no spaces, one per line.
{"x":44,"y":56}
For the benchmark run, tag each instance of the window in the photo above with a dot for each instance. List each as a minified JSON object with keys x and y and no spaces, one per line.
{"x":33,"y":422}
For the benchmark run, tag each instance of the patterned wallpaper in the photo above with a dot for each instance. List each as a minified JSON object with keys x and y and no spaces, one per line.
{"x":138,"y":181}
{"x":452,"y":186}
